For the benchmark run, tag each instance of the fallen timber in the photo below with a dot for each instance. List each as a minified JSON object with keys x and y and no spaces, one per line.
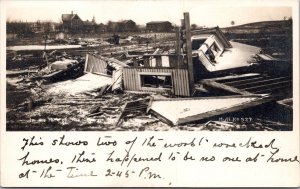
{"x":133,"y":106}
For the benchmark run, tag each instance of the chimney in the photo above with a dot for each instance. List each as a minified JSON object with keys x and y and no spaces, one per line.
{"x":72,"y":12}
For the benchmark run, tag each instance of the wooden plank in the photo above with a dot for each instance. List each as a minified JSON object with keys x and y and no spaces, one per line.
{"x":237,"y":82}
{"x":182,"y":83}
{"x":150,"y":104}
{"x":177,"y":47}
{"x":86,"y":62}
{"x":134,"y":80}
{"x":187,"y":93}
{"x":234,"y":77}
{"x":174,"y":82}
{"x":179,"y":79}
{"x":124,"y":76}
{"x":120,"y":116}
{"x":158,"y":61}
{"x":287,"y":103}
{"x":256,"y":83}
{"x":161,"y":118}
{"x":212,"y":97}
{"x":131,"y":81}
{"x":189,"y":51}
{"x":266,"y":85}
{"x":270,"y":90}
{"x":216,"y":85}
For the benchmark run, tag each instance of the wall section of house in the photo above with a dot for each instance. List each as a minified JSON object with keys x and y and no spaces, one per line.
{"x":180,"y":82}
{"x":95,"y":65}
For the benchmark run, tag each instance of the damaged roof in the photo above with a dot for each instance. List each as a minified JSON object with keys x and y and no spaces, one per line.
{"x":69,"y":17}
{"x":158,"y":22}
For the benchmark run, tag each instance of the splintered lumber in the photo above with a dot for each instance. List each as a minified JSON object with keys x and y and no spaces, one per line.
{"x":133,"y":106}
{"x":224,"y":87}
{"x":117,"y":79}
{"x":102,"y":90}
{"x":266,"y":57}
{"x":287,"y":103}
{"x":236,"y":77}
{"x":94,"y":114}
{"x":186,"y":110}
{"x":150,"y":104}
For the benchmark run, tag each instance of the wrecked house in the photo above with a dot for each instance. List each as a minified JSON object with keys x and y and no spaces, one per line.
{"x":213,"y":53}
{"x":198,"y":59}
{"x":171,"y":73}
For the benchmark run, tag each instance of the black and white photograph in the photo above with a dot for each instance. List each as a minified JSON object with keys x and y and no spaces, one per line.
{"x":85,"y":69}
{"x":208,"y":90}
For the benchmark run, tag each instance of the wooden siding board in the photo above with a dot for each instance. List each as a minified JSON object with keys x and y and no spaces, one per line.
{"x":186,"y":79}
{"x":224,"y":87}
{"x":124,"y":80}
{"x":179,"y":83}
{"x":174,"y":82}
{"x":181,"y":86}
{"x":262,"y":81}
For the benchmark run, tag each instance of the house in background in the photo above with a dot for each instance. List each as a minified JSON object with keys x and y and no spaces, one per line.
{"x":159,"y":26}
{"x":71,"y":22}
{"x":122,"y":26}
{"x":43,"y":26}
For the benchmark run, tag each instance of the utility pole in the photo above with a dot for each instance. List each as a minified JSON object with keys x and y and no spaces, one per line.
{"x":188,"y":50}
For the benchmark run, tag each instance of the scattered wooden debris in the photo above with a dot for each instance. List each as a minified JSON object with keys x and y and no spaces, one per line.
{"x":133,"y":107}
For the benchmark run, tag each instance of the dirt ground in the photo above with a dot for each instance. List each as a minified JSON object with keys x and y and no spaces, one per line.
{"x":31,"y":107}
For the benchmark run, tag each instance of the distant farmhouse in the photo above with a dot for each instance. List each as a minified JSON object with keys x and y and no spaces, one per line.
{"x":122,"y":26}
{"x":71,"y":22}
{"x":159,"y":26}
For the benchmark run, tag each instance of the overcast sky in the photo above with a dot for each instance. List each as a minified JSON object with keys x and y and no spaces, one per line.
{"x":202,"y":12}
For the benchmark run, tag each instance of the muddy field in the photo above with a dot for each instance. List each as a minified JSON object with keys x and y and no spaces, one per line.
{"x":32,"y":105}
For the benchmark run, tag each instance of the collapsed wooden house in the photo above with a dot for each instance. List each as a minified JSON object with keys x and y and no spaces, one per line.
{"x":171,"y":73}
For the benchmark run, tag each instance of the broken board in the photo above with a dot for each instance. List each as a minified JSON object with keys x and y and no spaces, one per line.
{"x":186,"y":110}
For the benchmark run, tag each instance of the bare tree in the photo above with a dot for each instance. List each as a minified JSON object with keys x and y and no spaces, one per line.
{"x":194,"y":26}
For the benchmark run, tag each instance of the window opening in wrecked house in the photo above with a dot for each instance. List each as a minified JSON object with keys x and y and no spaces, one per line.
{"x":212,"y":52}
{"x":156,"y":81}
{"x":196,"y":43}
{"x":109,"y":69}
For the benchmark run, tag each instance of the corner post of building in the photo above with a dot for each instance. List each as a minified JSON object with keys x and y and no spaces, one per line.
{"x":189,"y":51}
{"x":178,"y":47}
